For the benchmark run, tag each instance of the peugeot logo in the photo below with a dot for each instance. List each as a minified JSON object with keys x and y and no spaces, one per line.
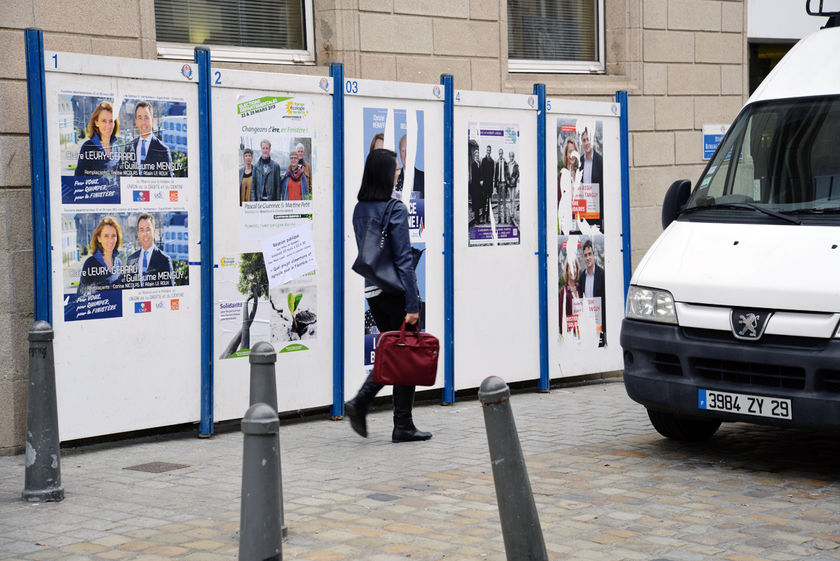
{"x":748,"y":324}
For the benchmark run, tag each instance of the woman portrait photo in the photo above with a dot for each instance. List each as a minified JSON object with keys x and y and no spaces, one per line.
{"x":567,"y":183}
{"x":568,"y":294}
{"x":100,"y":154}
{"x":103,"y":270}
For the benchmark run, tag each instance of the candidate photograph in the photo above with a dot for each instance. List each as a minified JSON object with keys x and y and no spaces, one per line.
{"x":274,"y":168}
{"x":155,"y":134}
{"x":580,"y":172}
{"x":123,"y":251}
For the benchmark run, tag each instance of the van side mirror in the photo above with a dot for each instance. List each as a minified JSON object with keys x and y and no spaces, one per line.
{"x":675,"y":198}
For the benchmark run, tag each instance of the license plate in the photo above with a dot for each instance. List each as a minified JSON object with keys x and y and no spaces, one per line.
{"x":760,"y":406}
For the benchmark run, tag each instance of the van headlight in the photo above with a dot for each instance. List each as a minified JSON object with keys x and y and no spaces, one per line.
{"x":650,"y":304}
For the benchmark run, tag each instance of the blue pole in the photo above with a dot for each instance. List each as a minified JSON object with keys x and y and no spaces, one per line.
{"x":448,"y":238}
{"x":38,"y":164}
{"x":205,"y":145}
{"x":542,"y":243}
{"x":337,"y":73}
{"x":624,"y":139}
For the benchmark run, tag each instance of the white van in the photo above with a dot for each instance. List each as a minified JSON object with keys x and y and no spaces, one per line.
{"x":734,"y":313}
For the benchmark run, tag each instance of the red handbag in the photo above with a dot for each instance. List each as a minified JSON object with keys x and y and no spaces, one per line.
{"x":406,"y":358}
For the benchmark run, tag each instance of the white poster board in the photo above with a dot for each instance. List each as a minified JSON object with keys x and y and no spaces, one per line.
{"x":408,"y":119}
{"x":585,"y":264}
{"x":496,"y":297}
{"x":285,"y":126}
{"x":124,"y":207}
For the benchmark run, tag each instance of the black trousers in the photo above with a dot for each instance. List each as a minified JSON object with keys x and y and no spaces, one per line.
{"x":388,"y":311}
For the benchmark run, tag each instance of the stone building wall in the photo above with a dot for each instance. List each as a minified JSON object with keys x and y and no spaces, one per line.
{"x":683,"y":62}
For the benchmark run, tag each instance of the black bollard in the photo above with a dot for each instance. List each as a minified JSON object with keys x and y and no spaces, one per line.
{"x":260,"y":536}
{"x":264,"y":390}
{"x":263,"y":381}
{"x":520,"y":522}
{"x":42,"y":482}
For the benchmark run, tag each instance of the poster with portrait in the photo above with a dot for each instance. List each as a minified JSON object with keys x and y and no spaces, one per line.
{"x":104,"y":255}
{"x":274,"y":177}
{"x":403,"y":132}
{"x":273,"y":185}
{"x":580,"y":172}
{"x":123,"y":172}
{"x":493,"y":181}
{"x":582,"y":293}
{"x":120,"y":148}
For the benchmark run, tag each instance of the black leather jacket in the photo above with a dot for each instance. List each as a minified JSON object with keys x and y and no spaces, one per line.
{"x":366,"y":211}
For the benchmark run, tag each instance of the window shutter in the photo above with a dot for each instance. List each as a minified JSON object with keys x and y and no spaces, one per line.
{"x":262,"y":24}
{"x":561,"y":30}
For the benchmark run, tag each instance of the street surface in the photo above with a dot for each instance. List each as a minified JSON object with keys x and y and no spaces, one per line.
{"x":607,"y":488}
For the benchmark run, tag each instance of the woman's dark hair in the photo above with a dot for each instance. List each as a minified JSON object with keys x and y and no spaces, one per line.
{"x":378,"y":177}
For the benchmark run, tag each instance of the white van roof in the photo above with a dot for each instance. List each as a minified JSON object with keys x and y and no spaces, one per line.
{"x":811,"y":67}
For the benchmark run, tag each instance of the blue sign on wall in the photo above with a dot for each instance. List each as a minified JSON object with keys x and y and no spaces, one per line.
{"x":712,"y":135}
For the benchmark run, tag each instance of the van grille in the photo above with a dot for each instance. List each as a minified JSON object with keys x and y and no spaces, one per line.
{"x":828,"y":380}
{"x":667,"y":364}
{"x":750,"y":373}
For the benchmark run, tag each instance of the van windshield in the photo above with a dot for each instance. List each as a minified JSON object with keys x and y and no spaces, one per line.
{"x":780,"y":158}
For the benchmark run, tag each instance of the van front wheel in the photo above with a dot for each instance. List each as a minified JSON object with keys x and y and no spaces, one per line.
{"x":683,"y":429}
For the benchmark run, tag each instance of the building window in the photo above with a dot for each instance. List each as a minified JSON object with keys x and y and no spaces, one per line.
{"x":555,"y":36}
{"x":268,"y":31}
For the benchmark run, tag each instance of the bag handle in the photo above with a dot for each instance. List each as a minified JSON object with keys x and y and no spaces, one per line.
{"x":404,"y":330}
{"x":386,"y":214}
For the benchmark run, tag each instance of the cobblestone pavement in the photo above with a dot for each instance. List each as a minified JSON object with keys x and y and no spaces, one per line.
{"x":607,"y":487}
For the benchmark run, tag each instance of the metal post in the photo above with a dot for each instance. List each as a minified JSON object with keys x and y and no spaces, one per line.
{"x":42,"y":482}
{"x":264,"y":390}
{"x":260,"y":512}
{"x":337,"y":74}
{"x":263,"y":382}
{"x":205,"y":143}
{"x":543,"y":384}
{"x":520,"y":522}
{"x":448,"y":83}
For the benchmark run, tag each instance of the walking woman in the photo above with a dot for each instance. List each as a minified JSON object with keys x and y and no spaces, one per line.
{"x":388,"y":310}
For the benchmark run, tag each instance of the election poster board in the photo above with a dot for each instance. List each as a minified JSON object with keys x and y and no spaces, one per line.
{"x":496,"y":270}
{"x":273,"y":239}
{"x":407,"y":119}
{"x":585,"y":273}
{"x":124,"y":199}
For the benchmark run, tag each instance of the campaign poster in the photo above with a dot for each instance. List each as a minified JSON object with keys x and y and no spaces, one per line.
{"x":403,"y":132}
{"x":274,"y":186}
{"x":116,"y":264}
{"x":582,"y":290}
{"x":250,"y":310}
{"x":275,"y":155}
{"x":580,"y":173}
{"x":493,"y":181}
{"x":115,"y":149}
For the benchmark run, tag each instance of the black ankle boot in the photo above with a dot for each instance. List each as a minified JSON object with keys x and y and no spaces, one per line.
{"x":357,"y":408}
{"x":404,"y":429}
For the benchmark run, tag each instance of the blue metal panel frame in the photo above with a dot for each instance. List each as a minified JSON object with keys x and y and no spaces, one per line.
{"x":542,"y":242}
{"x":624,"y":139}
{"x":337,"y":73}
{"x":38,"y":162}
{"x":448,"y":238}
{"x":205,"y":145}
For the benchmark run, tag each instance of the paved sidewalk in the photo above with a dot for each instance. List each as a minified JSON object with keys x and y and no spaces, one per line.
{"x":607,"y":488}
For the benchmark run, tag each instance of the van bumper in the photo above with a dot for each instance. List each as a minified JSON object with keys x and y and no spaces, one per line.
{"x":666,"y":365}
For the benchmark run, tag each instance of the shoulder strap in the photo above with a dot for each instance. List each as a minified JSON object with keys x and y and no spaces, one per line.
{"x":386,"y":214}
